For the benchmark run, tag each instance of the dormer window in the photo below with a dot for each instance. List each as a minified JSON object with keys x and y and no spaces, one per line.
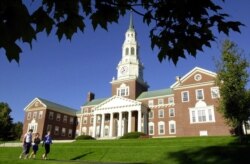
{"x":123,"y":90}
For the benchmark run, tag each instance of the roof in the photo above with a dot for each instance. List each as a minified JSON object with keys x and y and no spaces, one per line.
{"x":94,"y":102}
{"x":156,"y":93}
{"x":54,"y":106}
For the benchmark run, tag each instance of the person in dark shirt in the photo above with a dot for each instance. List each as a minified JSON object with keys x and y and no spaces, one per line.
{"x":46,"y":143}
{"x":35,"y":144}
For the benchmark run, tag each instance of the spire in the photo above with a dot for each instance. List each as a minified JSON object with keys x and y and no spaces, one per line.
{"x":131,"y":25}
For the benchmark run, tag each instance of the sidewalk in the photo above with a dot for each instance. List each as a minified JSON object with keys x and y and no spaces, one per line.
{"x":19,"y":144}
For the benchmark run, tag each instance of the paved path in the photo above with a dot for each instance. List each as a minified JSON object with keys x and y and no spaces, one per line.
{"x":19,"y":144}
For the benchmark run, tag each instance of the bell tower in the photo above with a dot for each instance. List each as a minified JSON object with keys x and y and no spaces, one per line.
{"x":129,"y":82}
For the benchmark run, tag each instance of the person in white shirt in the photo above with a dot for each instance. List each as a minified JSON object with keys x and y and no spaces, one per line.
{"x":27,"y":140}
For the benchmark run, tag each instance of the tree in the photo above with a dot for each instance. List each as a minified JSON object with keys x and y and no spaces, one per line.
{"x":5,"y":121}
{"x":17,"y":130}
{"x":179,"y":28}
{"x":232,"y":79}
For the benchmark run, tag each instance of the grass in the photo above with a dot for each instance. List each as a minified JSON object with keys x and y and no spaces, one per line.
{"x":221,"y":150}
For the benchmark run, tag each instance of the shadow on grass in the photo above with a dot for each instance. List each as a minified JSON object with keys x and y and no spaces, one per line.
{"x":231,"y":153}
{"x":81,"y":156}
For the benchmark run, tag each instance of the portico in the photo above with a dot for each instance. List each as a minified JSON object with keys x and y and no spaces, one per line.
{"x":118,"y":116}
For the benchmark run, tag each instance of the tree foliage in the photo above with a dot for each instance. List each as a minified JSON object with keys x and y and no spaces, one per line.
{"x":5,"y":121}
{"x":179,"y":28}
{"x":232,"y":79}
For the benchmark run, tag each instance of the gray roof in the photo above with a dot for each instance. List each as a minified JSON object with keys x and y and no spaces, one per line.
{"x":58,"y":107}
{"x":156,"y":93}
{"x":94,"y":102}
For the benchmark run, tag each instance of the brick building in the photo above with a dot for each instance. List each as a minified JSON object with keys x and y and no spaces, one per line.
{"x":186,"y":108}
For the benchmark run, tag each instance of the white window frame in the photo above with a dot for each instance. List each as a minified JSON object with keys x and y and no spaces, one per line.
{"x":171,"y":112}
{"x":65,"y":118}
{"x":161,"y":128}
{"x":63,"y":132}
{"x":85,"y":120}
{"x":160,"y":101}
{"x":70,"y":132}
{"x":215,"y":92}
{"x":151,"y":124}
{"x":56,"y":132}
{"x":71,"y":120}
{"x":202,"y":115}
{"x":51,"y":115}
{"x":29,"y":116}
{"x":172,"y":124}
{"x":84,"y":130}
{"x":197,"y":94}
{"x":150,"y":103}
{"x":40,"y":115}
{"x":161,"y":113}
{"x":152,"y":114}
{"x":58,"y":117}
{"x":123,"y":90}
{"x":183,"y":98}
{"x":34,"y":115}
{"x":171,"y":100}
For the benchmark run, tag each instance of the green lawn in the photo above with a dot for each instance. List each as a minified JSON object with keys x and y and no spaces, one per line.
{"x":169,"y":150}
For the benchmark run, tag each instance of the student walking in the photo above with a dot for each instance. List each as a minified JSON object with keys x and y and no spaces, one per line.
{"x":35,"y":144}
{"x":46,"y":143}
{"x":27,"y":140}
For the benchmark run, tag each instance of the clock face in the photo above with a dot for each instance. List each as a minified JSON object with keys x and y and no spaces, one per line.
{"x":124,"y":70}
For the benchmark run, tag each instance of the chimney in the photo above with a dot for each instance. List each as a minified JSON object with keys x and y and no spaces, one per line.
{"x":90,"y":97}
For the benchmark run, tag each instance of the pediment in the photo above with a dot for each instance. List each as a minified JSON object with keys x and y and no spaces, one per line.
{"x":195,"y":76}
{"x":117,"y":102}
{"x":35,"y":104}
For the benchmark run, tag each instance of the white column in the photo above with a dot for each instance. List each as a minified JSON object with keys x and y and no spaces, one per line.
{"x":102,"y":125}
{"x":120,"y":124}
{"x":80,"y":130}
{"x":111,"y":125}
{"x":139,"y":121}
{"x":129,"y":121}
{"x":94,"y":126}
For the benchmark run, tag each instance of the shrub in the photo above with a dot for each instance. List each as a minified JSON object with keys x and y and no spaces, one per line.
{"x":85,"y":137}
{"x":133,"y":135}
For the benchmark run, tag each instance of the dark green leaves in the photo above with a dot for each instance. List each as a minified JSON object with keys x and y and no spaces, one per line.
{"x":179,"y":28}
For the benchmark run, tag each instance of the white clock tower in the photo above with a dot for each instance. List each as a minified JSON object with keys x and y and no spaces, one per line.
{"x":129,"y":82}
{"x":130,"y":66}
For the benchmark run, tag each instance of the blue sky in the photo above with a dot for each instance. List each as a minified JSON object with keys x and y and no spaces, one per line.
{"x":64,"y":72}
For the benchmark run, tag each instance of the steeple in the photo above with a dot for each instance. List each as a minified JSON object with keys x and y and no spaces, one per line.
{"x":131,"y":25}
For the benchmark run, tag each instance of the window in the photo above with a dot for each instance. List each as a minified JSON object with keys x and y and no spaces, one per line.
{"x":160,"y":101}
{"x":132,"y":51}
{"x":151,"y":128}
{"x":65,"y":119}
{"x":151,"y":114}
{"x":85,"y":120}
{"x":199,"y":94}
{"x":56,"y":132}
{"x":171,"y":100}
{"x":51,"y":115}
{"x":40,"y":114}
{"x":123,"y":90}
{"x":161,"y":128}
{"x":70,"y":133}
{"x":90,"y":130}
{"x":172,"y":127}
{"x":34,"y":115}
{"x":49,"y":127}
{"x":33,"y":126}
{"x":201,"y":115}
{"x":28,"y":115}
{"x":171,"y":112}
{"x":91,"y":120}
{"x":150,"y":103}
{"x":58,"y":117}
{"x":215,"y":92}
{"x":126,"y":51}
{"x":71,"y":120}
{"x":161,"y":113}
{"x":185,"y":96}
{"x":63,"y":131}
